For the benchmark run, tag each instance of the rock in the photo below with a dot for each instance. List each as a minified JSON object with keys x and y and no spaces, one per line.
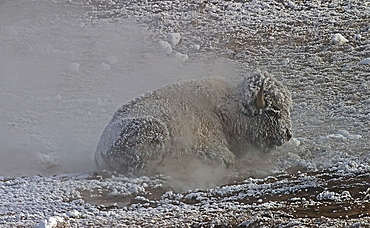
{"x":164,"y":45}
{"x":337,"y":137}
{"x":345,"y":133}
{"x":322,"y":139}
{"x":111,"y":59}
{"x":354,"y":137}
{"x":173,"y":39}
{"x":358,"y":37}
{"x":365,"y":61}
{"x":285,"y":61}
{"x":73,"y":214}
{"x":51,"y":222}
{"x":74,"y":66}
{"x":104,"y":67}
{"x":338,"y":39}
{"x":181,"y":57}
{"x":196,"y":47}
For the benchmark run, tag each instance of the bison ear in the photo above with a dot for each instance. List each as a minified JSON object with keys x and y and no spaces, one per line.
{"x":260,"y":99}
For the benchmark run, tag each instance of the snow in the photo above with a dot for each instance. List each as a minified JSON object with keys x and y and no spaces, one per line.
{"x":66,"y":67}
{"x":327,"y":195}
{"x":51,"y":222}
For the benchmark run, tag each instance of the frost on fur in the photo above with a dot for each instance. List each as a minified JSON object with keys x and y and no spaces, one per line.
{"x":207,"y":123}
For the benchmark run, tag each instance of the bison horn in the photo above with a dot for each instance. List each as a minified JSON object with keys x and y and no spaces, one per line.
{"x":260,"y":100}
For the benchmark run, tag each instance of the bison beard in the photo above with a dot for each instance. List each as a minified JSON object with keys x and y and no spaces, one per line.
{"x":185,"y":128}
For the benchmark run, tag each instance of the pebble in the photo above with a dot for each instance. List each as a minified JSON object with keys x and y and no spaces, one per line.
{"x":285,"y":61}
{"x":358,"y":37}
{"x":74,"y":214}
{"x":196,"y":47}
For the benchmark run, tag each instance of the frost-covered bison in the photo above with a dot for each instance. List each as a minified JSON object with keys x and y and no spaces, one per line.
{"x":209,"y":121}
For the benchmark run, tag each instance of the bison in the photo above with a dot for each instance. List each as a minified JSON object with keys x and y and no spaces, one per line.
{"x":210,"y":122}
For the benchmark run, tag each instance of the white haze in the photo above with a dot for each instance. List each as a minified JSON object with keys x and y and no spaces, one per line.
{"x":57,"y":91}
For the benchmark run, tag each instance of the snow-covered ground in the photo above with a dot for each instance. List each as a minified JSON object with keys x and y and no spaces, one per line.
{"x":66,"y":66}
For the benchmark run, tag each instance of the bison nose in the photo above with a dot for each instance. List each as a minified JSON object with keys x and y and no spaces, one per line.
{"x":288,"y":135}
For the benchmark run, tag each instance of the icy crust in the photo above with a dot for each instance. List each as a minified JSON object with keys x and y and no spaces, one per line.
{"x":109,"y":199}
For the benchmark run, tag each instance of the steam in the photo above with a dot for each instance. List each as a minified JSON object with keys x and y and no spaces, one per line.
{"x":62,"y":78}
{"x":191,"y":173}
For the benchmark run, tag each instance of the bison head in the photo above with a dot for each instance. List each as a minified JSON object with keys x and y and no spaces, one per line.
{"x":266,"y":104}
